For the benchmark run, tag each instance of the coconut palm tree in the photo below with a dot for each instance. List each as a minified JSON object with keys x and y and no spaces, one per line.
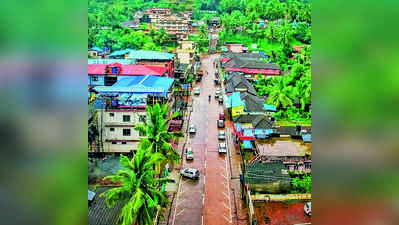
{"x":282,"y":94}
{"x":158,"y":138}
{"x":139,"y":191}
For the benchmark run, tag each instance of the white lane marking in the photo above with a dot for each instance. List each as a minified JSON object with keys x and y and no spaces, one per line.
{"x":229,"y":220}
{"x":180,"y":212}
{"x":202,"y":220}
{"x":203,"y":199}
{"x":177,"y":199}
{"x":205,"y":163}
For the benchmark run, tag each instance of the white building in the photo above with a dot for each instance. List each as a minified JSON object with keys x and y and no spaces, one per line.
{"x":117,"y":129}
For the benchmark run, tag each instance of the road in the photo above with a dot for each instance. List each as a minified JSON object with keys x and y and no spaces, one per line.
{"x":207,"y":200}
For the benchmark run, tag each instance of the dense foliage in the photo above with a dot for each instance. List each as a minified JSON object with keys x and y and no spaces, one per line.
{"x":303,"y":185}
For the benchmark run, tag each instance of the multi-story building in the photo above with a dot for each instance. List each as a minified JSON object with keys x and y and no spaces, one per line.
{"x":154,"y":58}
{"x":176,"y":26}
{"x":121,"y":106}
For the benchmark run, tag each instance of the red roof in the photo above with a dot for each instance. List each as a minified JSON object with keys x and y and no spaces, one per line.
{"x":129,"y":70}
{"x":255,"y":71}
{"x":224,"y":59}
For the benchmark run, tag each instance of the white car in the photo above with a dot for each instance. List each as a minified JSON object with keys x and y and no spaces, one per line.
{"x":192,"y":129}
{"x":217,"y":92}
{"x":190,"y":173}
{"x":221,"y":135}
{"x":308,"y":208}
{"x":222,"y":148}
{"x":197,"y":91}
{"x":189,"y":153}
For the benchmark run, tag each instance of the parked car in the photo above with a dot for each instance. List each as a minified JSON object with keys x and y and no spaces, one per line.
{"x":221,"y":116}
{"x":192,"y":129}
{"x":189,"y":153}
{"x":222,"y":148}
{"x":221,"y":135}
{"x":190,"y":173}
{"x":308,"y":208}
{"x":217,"y":92}
{"x":220,"y":123}
{"x":197,"y":91}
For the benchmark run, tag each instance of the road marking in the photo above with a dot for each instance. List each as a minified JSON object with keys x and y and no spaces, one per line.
{"x":202,"y":220}
{"x":224,"y":204}
{"x":205,"y":163}
{"x":177,"y":199}
{"x":229,"y":220}
{"x":203,"y":199}
{"x":180,"y":212}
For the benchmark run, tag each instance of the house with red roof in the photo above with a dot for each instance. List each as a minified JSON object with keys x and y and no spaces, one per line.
{"x":109,"y":74}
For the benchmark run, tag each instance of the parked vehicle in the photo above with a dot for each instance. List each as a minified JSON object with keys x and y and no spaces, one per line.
{"x":222,"y":148}
{"x":197,"y":91}
{"x":190,"y":173}
{"x":308,"y":208}
{"x":217,"y":92}
{"x":189,"y":153}
{"x":192,"y":129}
{"x":220,"y":123}
{"x":221,"y":116}
{"x":221,"y":135}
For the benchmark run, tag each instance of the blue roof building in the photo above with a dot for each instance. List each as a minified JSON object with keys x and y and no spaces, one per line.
{"x":150,"y":55}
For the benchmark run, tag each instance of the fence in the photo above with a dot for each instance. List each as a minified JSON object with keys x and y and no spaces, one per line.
{"x":281,"y":197}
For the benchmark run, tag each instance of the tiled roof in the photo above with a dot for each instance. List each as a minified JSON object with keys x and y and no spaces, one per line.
{"x":238,"y":81}
{"x":252,"y":103}
{"x":150,"y":55}
{"x":98,"y":211}
{"x":262,"y":122}
{"x":259,"y":173}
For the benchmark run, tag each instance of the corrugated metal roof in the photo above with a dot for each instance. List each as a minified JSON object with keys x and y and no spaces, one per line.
{"x":110,"y":61}
{"x":98,"y":49}
{"x":270,"y":107}
{"x":139,"y":84}
{"x":150,"y":55}
{"x":120,"y":52}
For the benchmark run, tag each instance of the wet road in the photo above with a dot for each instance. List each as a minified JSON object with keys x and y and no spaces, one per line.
{"x":207,"y":200}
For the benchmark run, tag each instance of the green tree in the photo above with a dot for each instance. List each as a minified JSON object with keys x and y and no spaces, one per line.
{"x":281,"y":93}
{"x":284,"y":33}
{"x":271,"y":31}
{"x":139,"y":191}
{"x":302,"y":185}
{"x":162,"y":37}
{"x":158,"y":138}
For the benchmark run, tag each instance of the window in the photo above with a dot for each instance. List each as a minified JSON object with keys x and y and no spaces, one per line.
{"x":94,"y":78}
{"x":126,"y":132}
{"x":126,"y":118}
{"x":123,"y":142}
{"x":111,"y":114}
{"x":111,"y":129}
{"x":114,"y":142}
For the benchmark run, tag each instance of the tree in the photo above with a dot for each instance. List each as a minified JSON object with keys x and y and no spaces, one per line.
{"x":270,"y":31}
{"x":302,"y":185}
{"x":228,"y":5}
{"x":281,"y":93}
{"x":162,"y":37}
{"x":139,"y":191}
{"x":284,"y":33}
{"x":158,"y":138}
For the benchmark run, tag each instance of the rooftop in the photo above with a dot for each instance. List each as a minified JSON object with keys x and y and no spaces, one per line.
{"x":132,"y":70}
{"x":149,"y":55}
{"x":98,"y":49}
{"x":280,"y":148}
{"x":139,"y":84}
{"x":98,"y":211}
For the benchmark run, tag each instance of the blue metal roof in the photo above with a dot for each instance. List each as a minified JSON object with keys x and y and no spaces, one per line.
{"x":139,"y":84}
{"x":98,"y":49}
{"x":269,"y":107}
{"x":307,"y":137}
{"x":151,"y":55}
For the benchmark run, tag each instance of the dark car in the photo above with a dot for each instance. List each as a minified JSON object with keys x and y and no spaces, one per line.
{"x":220,"y":123}
{"x":221,"y":116}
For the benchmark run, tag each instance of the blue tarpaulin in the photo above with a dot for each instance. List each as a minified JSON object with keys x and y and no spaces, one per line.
{"x":269,"y":107}
{"x":307,"y":137}
{"x":247,"y":144}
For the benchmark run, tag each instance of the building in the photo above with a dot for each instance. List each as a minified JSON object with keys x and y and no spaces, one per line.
{"x":235,"y":82}
{"x":132,"y":24}
{"x":109,"y":74}
{"x":236,"y":48}
{"x":96,"y":52}
{"x":185,"y":52}
{"x":154,"y":58}
{"x":295,"y":155}
{"x":123,"y":105}
{"x":250,"y":64}
{"x":176,"y":26}
{"x":111,"y":61}
{"x":98,"y":211}
{"x":267,"y":177}
{"x":120,"y":54}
